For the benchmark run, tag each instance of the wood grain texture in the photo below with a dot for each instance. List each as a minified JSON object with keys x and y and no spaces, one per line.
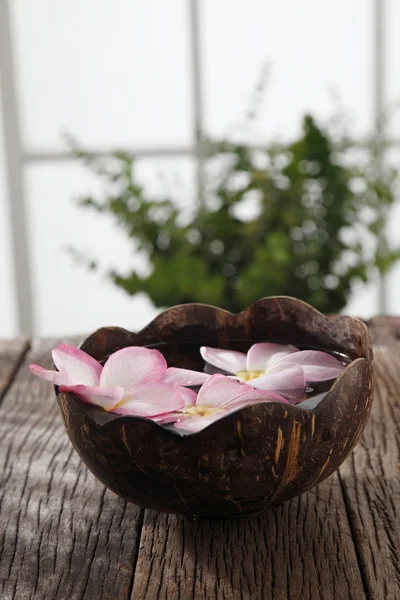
{"x":62,"y":534}
{"x":371,"y":477}
{"x":302,"y":550}
{"x":11,"y":354}
{"x":385,"y":330}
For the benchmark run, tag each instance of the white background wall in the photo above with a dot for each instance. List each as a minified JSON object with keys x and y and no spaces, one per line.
{"x":118,"y":74}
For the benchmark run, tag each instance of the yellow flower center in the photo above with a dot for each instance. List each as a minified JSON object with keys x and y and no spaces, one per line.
{"x":247,"y":375}
{"x":201,"y":410}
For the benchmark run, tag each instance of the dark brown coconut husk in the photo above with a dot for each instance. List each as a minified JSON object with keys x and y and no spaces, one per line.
{"x":256,"y":457}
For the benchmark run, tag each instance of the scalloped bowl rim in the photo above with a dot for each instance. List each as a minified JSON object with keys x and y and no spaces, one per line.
{"x":291,"y":408}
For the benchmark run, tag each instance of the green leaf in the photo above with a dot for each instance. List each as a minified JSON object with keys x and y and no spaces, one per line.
{"x":309,"y":219}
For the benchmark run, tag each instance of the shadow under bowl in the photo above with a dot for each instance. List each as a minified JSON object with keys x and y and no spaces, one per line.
{"x":254,"y":458}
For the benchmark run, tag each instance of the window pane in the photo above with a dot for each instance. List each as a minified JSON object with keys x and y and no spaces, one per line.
{"x":8,"y":325}
{"x":393,"y":279}
{"x":363,"y":301}
{"x":109,"y":73}
{"x":392,"y":72}
{"x":68,"y":297}
{"x":311,"y":46}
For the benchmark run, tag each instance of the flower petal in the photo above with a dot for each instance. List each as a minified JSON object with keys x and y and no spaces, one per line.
{"x":168,"y":418}
{"x":254,"y":397}
{"x":317,"y":366}
{"x":106,"y":397}
{"x":53,"y":376}
{"x":133,"y":366}
{"x":191,"y":424}
{"x":286,"y":379}
{"x":189,"y":396}
{"x":185,"y":377}
{"x":260,"y":355}
{"x":79,"y":367}
{"x":150,"y":400}
{"x":219,"y":390}
{"x":227,"y":360}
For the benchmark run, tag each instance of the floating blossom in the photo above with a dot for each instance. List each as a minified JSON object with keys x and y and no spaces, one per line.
{"x":134,"y":380}
{"x":218,"y":397}
{"x":275,"y":367}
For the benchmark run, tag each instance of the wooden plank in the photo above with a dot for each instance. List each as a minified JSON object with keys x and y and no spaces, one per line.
{"x":62,"y":534}
{"x":11,"y":354}
{"x":302,"y":550}
{"x":371,"y":479}
{"x":385,"y":330}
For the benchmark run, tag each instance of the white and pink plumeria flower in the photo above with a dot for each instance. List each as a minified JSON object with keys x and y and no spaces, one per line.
{"x":134,"y":380}
{"x":217,"y":397}
{"x":282,"y":369}
{"x":137,"y":381}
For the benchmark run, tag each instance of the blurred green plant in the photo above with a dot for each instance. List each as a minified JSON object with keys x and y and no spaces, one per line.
{"x":305,"y":219}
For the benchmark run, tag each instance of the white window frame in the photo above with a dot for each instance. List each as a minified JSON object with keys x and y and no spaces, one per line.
{"x":16,"y":157}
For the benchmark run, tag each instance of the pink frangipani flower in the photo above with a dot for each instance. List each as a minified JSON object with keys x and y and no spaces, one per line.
{"x":275,"y":367}
{"x":134,"y":380}
{"x":219,"y":396}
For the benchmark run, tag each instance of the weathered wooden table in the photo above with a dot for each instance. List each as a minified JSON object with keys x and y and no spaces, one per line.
{"x":63,"y":536}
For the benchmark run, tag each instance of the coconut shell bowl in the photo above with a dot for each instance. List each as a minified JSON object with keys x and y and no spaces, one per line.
{"x":254,"y":458}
